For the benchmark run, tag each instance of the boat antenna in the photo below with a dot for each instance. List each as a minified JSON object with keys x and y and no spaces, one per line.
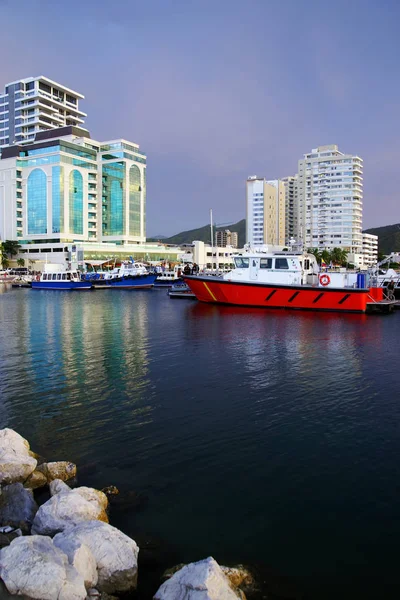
{"x":212,"y":240}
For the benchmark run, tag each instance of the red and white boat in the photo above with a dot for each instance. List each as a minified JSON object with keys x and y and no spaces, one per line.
{"x":285,"y":280}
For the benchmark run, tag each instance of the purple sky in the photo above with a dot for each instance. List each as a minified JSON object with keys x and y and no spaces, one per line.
{"x":216,"y":90}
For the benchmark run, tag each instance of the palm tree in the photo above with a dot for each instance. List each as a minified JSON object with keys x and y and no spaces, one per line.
{"x":316,"y":253}
{"x":326,"y":256}
{"x":21,"y":262}
{"x":3,"y":255}
{"x":339,"y":256}
{"x":11,"y":247}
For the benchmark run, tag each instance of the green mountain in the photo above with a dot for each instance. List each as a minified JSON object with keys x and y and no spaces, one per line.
{"x":388,"y":238}
{"x":203,"y":234}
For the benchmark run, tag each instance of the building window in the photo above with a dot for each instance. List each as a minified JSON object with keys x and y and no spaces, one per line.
{"x":37,"y":202}
{"x":57,"y":196}
{"x":113,"y":198}
{"x":75,"y":202}
{"x":134,"y":200}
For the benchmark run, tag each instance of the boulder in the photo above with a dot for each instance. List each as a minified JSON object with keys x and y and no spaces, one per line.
{"x":69,"y":507}
{"x":62,"y":469}
{"x":115,"y":554}
{"x":16,"y":464}
{"x":35,"y":480}
{"x":202,"y":580}
{"x":34,"y":567}
{"x":239,"y":576}
{"x":17,"y":507}
{"x":57,"y":487}
{"x":80,"y":557}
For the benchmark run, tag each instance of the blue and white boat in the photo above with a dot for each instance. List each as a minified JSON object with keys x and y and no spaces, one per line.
{"x":56,"y":277}
{"x":129,"y":275}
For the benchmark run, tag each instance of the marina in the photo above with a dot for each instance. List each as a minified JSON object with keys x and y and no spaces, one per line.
{"x":300,"y":404}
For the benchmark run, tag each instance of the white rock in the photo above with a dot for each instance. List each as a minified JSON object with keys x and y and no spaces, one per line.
{"x":202,"y":580}
{"x":115,"y":554}
{"x":67,"y":507}
{"x":34,"y":567}
{"x":94,"y":496}
{"x":16,"y":464}
{"x":80,"y":557}
{"x":61,"y":469}
{"x":57,"y":487}
{"x":17,"y":506}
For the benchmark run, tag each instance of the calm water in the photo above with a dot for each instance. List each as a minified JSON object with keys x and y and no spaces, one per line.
{"x":258,"y":437}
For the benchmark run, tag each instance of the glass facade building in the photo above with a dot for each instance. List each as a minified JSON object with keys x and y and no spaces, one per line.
{"x":71,"y":188}
{"x":37,"y":202}
{"x":76,"y":202}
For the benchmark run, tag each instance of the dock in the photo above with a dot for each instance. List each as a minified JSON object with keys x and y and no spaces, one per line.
{"x":384,"y":307}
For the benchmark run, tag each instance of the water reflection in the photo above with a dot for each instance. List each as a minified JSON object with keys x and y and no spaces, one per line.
{"x":80,"y":361}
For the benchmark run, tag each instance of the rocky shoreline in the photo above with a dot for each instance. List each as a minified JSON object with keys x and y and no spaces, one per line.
{"x":60,"y":545}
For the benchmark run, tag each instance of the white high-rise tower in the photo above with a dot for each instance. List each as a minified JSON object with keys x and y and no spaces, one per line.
{"x":329,"y":204}
{"x":35,"y":104}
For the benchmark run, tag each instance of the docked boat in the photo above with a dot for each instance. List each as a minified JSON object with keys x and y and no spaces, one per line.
{"x":129,"y":275}
{"x":56,"y":277}
{"x":181,"y":290}
{"x":169,"y":277}
{"x":285,"y":280}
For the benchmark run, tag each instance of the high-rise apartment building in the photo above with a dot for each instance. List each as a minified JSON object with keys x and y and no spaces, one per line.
{"x":369,"y":249}
{"x":29,"y":106}
{"x":291,"y":186}
{"x":226,"y":238}
{"x":330,"y":192}
{"x":66,"y":187}
{"x":265,"y":211}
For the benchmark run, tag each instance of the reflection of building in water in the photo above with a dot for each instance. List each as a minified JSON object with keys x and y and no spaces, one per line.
{"x":105,"y":342}
{"x":90,"y":365}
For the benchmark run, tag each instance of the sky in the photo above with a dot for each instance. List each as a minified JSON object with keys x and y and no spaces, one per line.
{"x":214,"y":91}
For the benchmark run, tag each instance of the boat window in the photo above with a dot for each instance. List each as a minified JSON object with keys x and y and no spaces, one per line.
{"x":69,"y":276}
{"x":266,"y":263}
{"x":44,"y":276}
{"x":281,"y":263}
{"x":64,"y":276}
{"x":241,"y":263}
{"x":58,"y":276}
{"x":54,"y":276}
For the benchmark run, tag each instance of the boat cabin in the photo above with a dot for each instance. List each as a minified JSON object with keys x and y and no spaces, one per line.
{"x":278,"y":267}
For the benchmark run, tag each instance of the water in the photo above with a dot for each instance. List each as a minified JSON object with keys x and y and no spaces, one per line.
{"x":257,"y":437}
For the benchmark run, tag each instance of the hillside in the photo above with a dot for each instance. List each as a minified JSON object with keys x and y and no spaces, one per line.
{"x":388,"y":238}
{"x":203,"y":234}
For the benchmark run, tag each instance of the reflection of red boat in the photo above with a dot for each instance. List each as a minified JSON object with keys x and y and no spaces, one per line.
{"x":283,"y":280}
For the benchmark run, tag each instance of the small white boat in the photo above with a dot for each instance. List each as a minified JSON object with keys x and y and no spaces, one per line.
{"x":181,"y":290}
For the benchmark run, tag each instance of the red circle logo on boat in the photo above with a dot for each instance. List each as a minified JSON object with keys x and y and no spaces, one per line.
{"x":324,"y":279}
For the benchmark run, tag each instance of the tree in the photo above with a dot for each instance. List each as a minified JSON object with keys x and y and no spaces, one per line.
{"x":3,"y":255}
{"x":21,"y":262}
{"x":326,"y":256}
{"x":11,"y":247}
{"x":316,"y":253}
{"x":4,"y":262}
{"x":339,"y":256}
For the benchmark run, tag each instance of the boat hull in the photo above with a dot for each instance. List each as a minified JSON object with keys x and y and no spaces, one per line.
{"x":262,"y":295}
{"x":61,"y":285}
{"x":129,"y":282}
